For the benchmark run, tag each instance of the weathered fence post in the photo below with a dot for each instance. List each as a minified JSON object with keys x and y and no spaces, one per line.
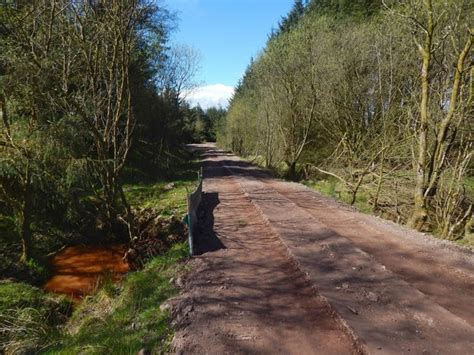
{"x":194,"y":200}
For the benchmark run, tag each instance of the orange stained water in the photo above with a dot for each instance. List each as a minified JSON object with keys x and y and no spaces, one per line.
{"x":78,"y":269}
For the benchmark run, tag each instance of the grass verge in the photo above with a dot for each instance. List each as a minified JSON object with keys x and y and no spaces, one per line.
{"x":334,"y":188}
{"x":29,"y":318}
{"x":168,"y":197}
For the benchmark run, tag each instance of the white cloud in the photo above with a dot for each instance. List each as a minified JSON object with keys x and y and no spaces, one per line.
{"x":217,"y":95}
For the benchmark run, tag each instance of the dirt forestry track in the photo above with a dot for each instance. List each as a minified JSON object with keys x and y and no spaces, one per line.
{"x":283,"y":269}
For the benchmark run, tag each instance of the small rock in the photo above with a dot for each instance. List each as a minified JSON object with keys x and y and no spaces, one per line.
{"x":172,"y":280}
{"x":345,"y":285}
{"x":371,"y":296}
{"x":179,"y":282}
{"x":352,"y":309}
{"x":165,"y":307}
{"x":170,"y":186}
{"x":244,"y":337}
{"x":132,"y":326}
{"x":188,"y":309}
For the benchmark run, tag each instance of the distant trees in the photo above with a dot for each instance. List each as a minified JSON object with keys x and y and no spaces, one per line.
{"x":376,"y":95}
{"x":346,"y":7}
{"x":291,"y":20}
{"x":206,"y":122}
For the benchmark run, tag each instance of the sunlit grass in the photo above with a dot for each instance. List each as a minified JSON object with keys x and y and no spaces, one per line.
{"x":29,"y":318}
{"x":169,"y":195}
{"x":336,"y":189}
{"x":161,"y":196}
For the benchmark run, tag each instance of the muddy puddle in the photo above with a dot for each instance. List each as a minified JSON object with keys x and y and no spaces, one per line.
{"x":77,"y":270}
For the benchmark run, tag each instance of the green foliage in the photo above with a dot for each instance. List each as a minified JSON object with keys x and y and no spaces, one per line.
{"x":291,"y":20}
{"x":67,"y":144}
{"x":77,"y":122}
{"x":335,"y":94}
{"x":355,"y":8}
{"x":8,"y":231}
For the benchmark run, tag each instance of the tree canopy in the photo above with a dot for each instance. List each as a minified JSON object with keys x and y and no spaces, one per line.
{"x":337,"y":94}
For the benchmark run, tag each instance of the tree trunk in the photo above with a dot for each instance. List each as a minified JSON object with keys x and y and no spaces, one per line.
{"x":291,"y":170}
{"x":420,"y":212}
{"x":379,"y":184}
{"x":26,"y":218}
{"x":129,"y":218}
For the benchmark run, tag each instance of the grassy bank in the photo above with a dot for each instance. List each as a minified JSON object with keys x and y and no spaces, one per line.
{"x":167,"y":196}
{"x":334,"y":188}
{"x":120,"y":318}
{"x":395,"y":201}
{"x":29,"y":318}
{"x":125,"y":318}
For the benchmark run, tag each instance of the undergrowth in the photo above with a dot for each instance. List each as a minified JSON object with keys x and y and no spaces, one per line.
{"x":29,"y":318}
{"x":364,"y":199}
{"x":334,"y":188}
{"x":166,"y":195}
{"x":120,"y":318}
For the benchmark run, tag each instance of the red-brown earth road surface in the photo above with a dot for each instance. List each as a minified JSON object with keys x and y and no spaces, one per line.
{"x":282,"y":269}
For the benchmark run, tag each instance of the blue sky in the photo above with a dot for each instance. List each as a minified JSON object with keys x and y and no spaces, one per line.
{"x":226,"y":33}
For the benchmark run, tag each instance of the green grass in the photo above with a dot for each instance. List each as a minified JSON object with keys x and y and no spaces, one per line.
{"x":29,"y":317}
{"x":159,"y":195}
{"x":156,"y":196}
{"x":336,"y":189}
{"x":329,"y":188}
{"x":122,"y":319}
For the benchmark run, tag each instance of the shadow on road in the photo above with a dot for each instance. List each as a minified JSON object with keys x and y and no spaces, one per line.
{"x":206,"y":239}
